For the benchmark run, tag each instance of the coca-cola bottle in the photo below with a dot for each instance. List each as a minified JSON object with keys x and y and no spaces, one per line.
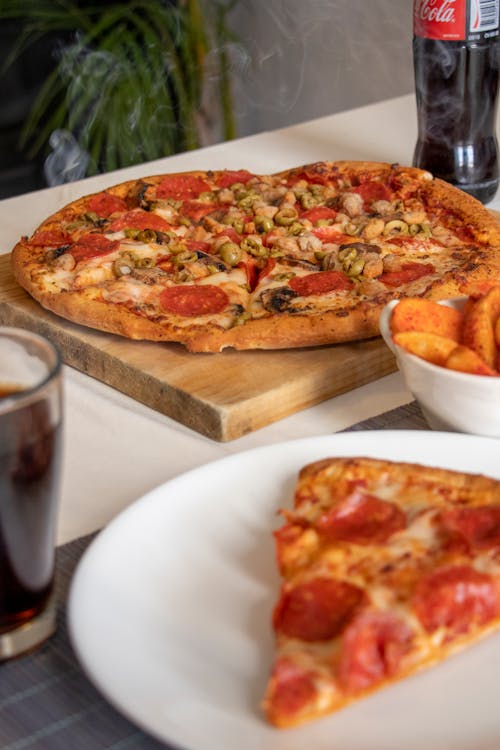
{"x":456,"y":54}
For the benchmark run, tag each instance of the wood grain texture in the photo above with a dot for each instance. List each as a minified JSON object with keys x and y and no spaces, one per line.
{"x":222,"y":396}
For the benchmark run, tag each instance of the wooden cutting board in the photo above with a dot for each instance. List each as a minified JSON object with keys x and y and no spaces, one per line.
{"x":222,"y":396}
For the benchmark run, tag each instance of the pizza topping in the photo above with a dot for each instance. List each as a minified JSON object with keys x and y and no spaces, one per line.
{"x":182,"y":187}
{"x":352,"y":204}
{"x":318,"y":214}
{"x":320,"y":283}
{"x":361,"y":518}
{"x":332,"y":233}
{"x":277,"y":299}
{"x":196,"y":210}
{"x":291,"y":688}
{"x":139,"y":219}
{"x":92,"y":246}
{"x":285,"y":217}
{"x":212,"y":263}
{"x":356,"y":258}
{"x":231,"y":253}
{"x":104,"y":204}
{"x":315,"y":174}
{"x":192,"y":300}
{"x":479,"y":526}
{"x":316,"y":610}
{"x":456,"y":597}
{"x":409,"y":272}
{"x":230,"y":178}
{"x":49,"y":238}
{"x":371,"y":192}
{"x":295,"y":544}
{"x":372,"y":648}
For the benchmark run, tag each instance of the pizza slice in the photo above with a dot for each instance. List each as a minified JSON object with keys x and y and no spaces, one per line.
{"x":388,"y":568}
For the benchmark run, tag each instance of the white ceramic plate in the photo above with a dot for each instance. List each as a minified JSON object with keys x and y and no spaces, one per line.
{"x":169,"y":611}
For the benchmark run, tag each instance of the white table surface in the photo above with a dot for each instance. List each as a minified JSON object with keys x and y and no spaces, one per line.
{"x":117,"y":449}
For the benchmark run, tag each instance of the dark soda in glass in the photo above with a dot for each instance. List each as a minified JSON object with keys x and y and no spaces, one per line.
{"x":30,"y":455}
{"x":30,"y":468}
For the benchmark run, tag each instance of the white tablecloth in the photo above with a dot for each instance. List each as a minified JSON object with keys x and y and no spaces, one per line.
{"x":115,"y":448}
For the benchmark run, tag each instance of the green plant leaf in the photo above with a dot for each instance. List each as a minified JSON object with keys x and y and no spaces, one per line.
{"x":140,"y":74}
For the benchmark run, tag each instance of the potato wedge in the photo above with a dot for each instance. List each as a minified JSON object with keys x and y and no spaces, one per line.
{"x":415,"y":314}
{"x":428,"y":346}
{"x":478,"y":331}
{"x":497,"y":332}
{"x":467,"y":360}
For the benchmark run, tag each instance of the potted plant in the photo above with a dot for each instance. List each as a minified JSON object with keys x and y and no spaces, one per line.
{"x":128,"y":80}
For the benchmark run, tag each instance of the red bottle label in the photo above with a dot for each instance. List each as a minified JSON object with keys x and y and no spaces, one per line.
{"x":440,"y":19}
{"x":456,"y":20}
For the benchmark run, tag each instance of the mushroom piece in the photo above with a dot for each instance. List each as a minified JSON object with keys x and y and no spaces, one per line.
{"x":210,"y":260}
{"x":290,"y":261}
{"x":277,"y":299}
{"x":148,"y":276}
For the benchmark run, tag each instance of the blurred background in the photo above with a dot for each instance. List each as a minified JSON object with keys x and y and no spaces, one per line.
{"x":87,"y":88}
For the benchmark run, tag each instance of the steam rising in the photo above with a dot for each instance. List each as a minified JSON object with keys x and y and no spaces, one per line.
{"x":290,"y":61}
{"x":99,"y":74}
{"x":67,"y":161}
{"x":299,"y":60}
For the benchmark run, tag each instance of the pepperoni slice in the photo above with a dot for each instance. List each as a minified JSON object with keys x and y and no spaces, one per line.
{"x":49,"y":239}
{"x":331,"y":233}
{"x":197,"y":210}
{"x":373,"y":646}
{"x":455,"y":597}
{"x":268,"y":268}
{"x":373,"y":191}
{"x":316,"y":174}
{"x":139,"y":219}
{"x":231,"y":234}
{"x":465,"y":232}
{"x":409,"y":272}
{"x":191,"y":300}
{"x":198,"y":246}
{"x":104,"y":204}
{"x":479,"y":526}
{"x":363,"y":519}
{"x":252,"y":272}
{"x":291,"y":688}
{"x":320,"y":283}
{"x":231,"y":177}
{"x":320,"y":212}
{"x":316,"y":610}
{"x":92,"y":246}
{"x":182,"y":187}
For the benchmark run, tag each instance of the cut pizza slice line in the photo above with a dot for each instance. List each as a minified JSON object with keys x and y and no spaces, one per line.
{"x":387,"y":570}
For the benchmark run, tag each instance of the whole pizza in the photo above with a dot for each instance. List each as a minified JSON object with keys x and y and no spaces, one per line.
{"x":216,"y":259}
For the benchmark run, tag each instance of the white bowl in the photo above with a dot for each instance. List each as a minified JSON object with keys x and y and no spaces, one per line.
{"x":450,"y":400}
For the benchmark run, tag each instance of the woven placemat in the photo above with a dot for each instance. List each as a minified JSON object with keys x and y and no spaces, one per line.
{"x":47,"y":702}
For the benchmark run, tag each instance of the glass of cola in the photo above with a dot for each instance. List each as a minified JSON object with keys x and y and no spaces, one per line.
{"x":30,"y":468}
